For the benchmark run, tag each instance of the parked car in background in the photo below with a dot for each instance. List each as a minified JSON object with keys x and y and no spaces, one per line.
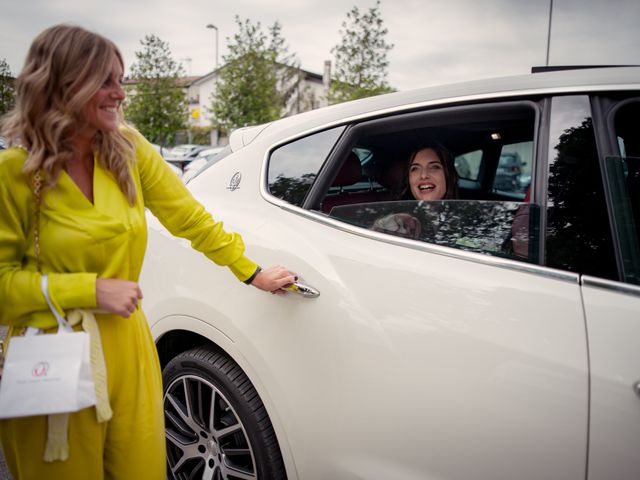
{"x":160,"y":149}
{"x":184,"y":150}
{"x":3,"y":143}
{"x":181,"y":155}
{"x":207,"y":152}
{"x":204,"y":157}
{"x":163,"y":151}
{"x":510,"y":168}
{"x":498,"y":341}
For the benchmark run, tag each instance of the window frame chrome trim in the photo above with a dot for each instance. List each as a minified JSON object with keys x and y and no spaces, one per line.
{"x":611,"y":285}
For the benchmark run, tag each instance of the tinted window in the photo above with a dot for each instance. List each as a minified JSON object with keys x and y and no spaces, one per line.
{"x":472,"y":215}
{"x":506,"y":229}
{"x":623,"y":182}
{"x":623,"y":177}
{"x":513,"y":174}
{"x":294,"y":167}
{"x":627,"y":125}
{"x":468,"y":165}
{"x":578,"y":235}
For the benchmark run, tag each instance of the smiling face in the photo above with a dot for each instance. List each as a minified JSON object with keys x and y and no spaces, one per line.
{"x":427,"y":179}
{"x":102,"y":111}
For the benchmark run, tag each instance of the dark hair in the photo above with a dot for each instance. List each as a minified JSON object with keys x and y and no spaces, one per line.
{"x":450,"y":173}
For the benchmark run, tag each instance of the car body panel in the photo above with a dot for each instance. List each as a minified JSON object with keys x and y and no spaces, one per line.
{"x":613,"y":324}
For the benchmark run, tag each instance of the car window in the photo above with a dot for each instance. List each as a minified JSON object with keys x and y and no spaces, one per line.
{"x":365,"y":179}
{"x":293,"y":167}
{"x":513,"y":175}
{"x":622,"y":175}
{"x":484,"y":226}
{"x":578,"y":233}
{"x":623,"y":179}
{"x":375,"y":193}
{"x":468,"y":165}
{"x":627,"y":119}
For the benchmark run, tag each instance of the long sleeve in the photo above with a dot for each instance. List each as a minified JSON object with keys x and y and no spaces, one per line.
{"x":171,"y":202}
{"x":21,"y":301}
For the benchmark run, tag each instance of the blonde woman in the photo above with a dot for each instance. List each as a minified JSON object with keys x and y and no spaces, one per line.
{"x":98,"y":176}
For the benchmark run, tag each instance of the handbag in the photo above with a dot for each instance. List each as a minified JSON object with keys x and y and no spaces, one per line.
{"x":47,"y":373}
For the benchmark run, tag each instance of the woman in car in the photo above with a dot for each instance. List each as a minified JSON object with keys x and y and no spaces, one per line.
{"x":75,"y":186}
{"x":430,"y":175}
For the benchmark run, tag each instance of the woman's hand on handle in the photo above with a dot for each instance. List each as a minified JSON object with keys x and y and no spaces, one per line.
{"x":117,"y":296}
{"x":272,"y":279}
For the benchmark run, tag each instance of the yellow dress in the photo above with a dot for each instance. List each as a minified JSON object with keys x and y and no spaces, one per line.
{"x":79,"y":242}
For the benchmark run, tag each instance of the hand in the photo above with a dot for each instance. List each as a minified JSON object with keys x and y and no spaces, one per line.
{"x":272,"y":279}
{"x":117,"y":296}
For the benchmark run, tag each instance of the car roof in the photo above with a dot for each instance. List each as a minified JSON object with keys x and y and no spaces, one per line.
{"x":566,"y":81}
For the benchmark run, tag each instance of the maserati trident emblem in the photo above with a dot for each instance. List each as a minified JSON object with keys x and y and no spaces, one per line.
{"x":234,"y":184}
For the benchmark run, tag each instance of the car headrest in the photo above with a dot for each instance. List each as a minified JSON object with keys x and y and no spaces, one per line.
{"x":350,"y":172}
{"x":392,"y":174}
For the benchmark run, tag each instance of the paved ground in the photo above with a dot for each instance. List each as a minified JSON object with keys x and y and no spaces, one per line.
{"x":4,"y":472}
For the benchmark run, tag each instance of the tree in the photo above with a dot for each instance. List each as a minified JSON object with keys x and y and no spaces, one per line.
{"x":258,"y":80}
{"x":157,"y":105}
{"x":360,"y":64}
{"x":7,"y":87}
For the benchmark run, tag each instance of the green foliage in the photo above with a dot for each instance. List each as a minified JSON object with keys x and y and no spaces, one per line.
{"x":360,"y":64}
{"x":7,"y":87}
{"x":157,"y":104}
{"x":200,"y":135}
{"x":258,"y":79}
{"x":292,"y":189}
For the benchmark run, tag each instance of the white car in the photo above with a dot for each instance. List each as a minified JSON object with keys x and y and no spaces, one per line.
{"x":204,"y":157}
{"x":500,"y":343}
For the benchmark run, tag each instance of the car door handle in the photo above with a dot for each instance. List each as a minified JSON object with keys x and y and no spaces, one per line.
{"x":303,"y":289}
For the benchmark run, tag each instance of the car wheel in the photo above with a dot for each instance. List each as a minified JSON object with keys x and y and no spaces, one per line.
{"x":216,"y":426}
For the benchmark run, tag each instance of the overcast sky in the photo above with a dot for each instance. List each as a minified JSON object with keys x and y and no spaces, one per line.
{"x":435,"y":41}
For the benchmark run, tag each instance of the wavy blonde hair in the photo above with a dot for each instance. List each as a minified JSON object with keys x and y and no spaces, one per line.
{"x":65,"y":67}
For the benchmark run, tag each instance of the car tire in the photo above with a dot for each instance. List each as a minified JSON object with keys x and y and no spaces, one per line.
{"x":216,"y":426}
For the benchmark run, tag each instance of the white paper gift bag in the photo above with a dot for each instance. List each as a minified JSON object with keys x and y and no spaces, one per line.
{"x":47,"y":374}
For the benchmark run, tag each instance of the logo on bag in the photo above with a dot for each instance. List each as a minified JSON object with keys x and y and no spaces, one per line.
{"x":40,"y":369}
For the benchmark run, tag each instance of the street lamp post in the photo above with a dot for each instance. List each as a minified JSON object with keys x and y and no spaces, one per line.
{"x":549,"y":32}
{"x":211,"y":25}
{"x":215,"y":138}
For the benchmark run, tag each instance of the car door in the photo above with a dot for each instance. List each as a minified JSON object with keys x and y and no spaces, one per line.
{"x":613,"y":307}
{"x":436,"y":362}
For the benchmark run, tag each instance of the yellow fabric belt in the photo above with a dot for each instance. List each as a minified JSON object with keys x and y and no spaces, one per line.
{"x":57,"y":446}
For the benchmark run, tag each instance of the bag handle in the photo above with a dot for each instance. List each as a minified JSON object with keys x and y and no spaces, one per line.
{"x":44,"y":279}
{"x":37,"y":191}
{"x":63,"y":325}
